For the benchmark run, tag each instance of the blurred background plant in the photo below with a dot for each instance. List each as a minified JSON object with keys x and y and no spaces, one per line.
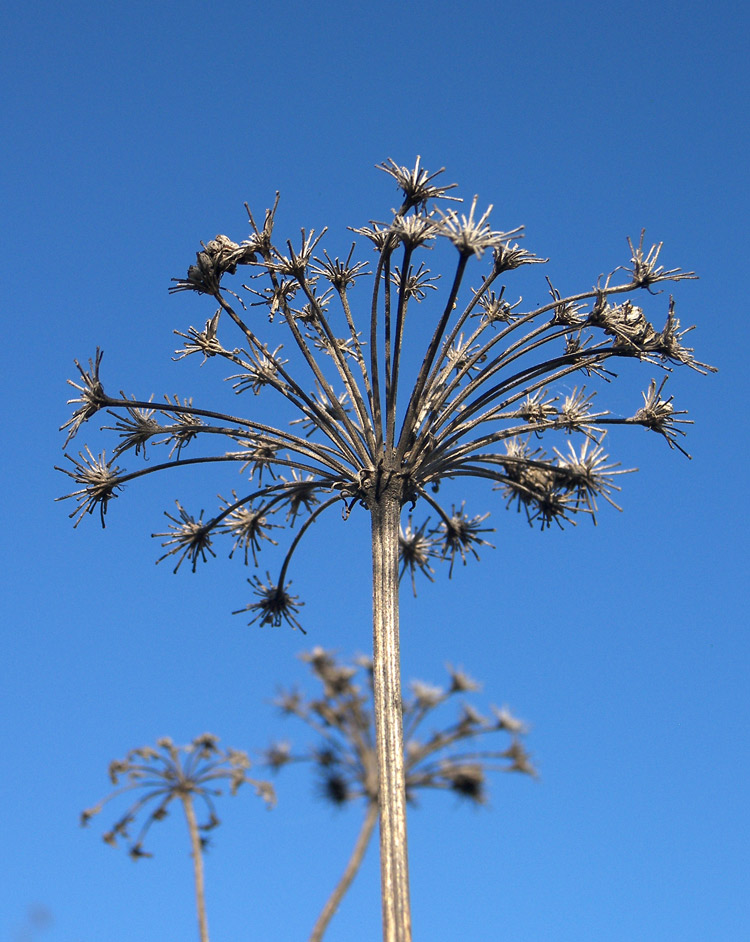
{"x":344,"y":758}
{"x":171,"y":773}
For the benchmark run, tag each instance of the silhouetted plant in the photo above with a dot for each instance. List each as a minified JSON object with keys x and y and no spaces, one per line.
{"x":345,"y":756}
{"x":176,"y":773}
{"x":486,"y":387}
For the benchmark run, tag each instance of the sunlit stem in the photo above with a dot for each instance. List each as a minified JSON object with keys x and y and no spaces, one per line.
{"x":385,"y":513}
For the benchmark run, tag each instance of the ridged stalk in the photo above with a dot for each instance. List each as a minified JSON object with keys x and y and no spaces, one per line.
{"x":394,"y":867}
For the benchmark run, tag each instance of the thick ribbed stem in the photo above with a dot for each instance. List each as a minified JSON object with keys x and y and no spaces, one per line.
{"x":195,"y":841}
{"x":394,"y":868}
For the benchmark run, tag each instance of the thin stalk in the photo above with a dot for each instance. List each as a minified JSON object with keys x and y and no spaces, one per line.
{"x":394,"y":867}
{"x":352,"y":867}
{"x":197,"y":854}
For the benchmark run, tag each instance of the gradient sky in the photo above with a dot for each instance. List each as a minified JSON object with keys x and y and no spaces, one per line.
{"x":131,"y":132}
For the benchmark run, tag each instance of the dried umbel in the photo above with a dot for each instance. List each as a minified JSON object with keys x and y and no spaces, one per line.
{"x":167,"y":773}
{"x":451,"y":757}
{"x":387,"y":398}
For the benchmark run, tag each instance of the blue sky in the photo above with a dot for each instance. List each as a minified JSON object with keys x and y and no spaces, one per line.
{"x":133,"y":132}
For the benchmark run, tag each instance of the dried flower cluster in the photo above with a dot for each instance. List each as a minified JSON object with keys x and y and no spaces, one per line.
{"x":345,"y":757}
{"x":488,"y":385}
{"x":167,"y":773}
{"x":171,"y":773}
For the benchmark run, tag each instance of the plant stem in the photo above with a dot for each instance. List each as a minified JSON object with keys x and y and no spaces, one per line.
{"x":394,"y":868}
{"x":197,"y":854}
{"x":355,"y":861}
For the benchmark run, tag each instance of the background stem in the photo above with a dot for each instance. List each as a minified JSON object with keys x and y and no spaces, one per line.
{"x":197,"y":854}
{"x":355,"y":861}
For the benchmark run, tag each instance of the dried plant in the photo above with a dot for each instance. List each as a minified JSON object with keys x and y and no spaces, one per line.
{"x":485,"y":380}
{"x":345,"y":755}
{"x":170,"y":773}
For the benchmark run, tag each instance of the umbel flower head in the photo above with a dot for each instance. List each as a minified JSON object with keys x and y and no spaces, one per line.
{"x":390,"y":394}
{"x":447,"y":758}
{"x":166,"y":773}
{"x":185,"y":774}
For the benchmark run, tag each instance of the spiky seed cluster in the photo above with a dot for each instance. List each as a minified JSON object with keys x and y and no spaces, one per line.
{"x":490,"y":376}
{"x":161,"y":775}
{"x":344,"y":757}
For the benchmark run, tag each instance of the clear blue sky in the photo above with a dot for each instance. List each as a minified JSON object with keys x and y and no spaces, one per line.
{"x":133,"y":131}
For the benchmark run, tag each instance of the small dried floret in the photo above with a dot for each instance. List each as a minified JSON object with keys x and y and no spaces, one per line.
{"x":507,"y":255}
{"x":300,"y":493}
{"x":342,"y":275}
{"x":659,"y":414}
{"x":276,"y":296}
{"x":416,"y":184}
{"x":204,"y":341}
{"x":537,"y":487}
{"x":274,"y":606}
{"x":470,"y":236}
{"x":416,"y":282}
{"x":587,"y":475}
{"x":295,"y":264}
{"x":187,"y":536}
{"x":382,"y":239}
{"x":247,"y":525}
{"x":135,"y":428}
{"x":413,"y":231}
{"x":567,"y":313}
{"x":184,"y":430}
{"x":467,"y":780}
{"x":100,"y":481}
{"x":471,"y":718}
{"x":343,"y":346}
{"x":426,"y":696}
{"x":627,"y":323}
{"x":260,"y":457}
{"x":416,"y":548}
{"x":506,"y":721}
{"x":336,"y":789}
{"x":461,"y":682}
{"x":311,"y":311}
{"x":537,"y":408}
{"x":460,"y":533}
{"x":219,"y":256}
{"x":520,"y":759}
{"x":92,"y":396}
{"x":327,"y":411}
{"x":575,"y":415}
{"x":263,"y":372}
{"x":494,"y":309}
{"x":672,"y":348}
{"x":277,"y":755}
{"x":461,"y":353}
{"x":645,"y":271}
